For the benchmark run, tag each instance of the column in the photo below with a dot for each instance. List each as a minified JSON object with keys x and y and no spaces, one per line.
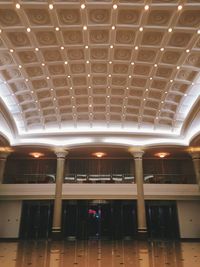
{"x":196,"y":162}
{"x":141,"y":213}
{"x":3,"y":158}
{"x":57,"y":213}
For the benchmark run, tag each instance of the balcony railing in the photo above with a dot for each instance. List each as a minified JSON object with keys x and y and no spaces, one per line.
{"x":102,"y":178}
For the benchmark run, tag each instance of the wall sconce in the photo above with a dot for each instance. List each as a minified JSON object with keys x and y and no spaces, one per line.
{"x":99,"y":154}
{"x":36,"y":154}
{"x":162,"y":154}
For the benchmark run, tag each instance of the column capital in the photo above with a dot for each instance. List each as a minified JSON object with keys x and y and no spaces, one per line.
{"x":137,"y":154}
{"x":61,"y":153}
{"x":4,"y":155}
{"x":194,"y":155}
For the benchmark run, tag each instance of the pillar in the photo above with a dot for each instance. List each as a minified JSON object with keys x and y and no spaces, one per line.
{"x":141,"y":212}
{"x":57,"y":212}
{"x":3,"y":158}
{"x":196,"y":162}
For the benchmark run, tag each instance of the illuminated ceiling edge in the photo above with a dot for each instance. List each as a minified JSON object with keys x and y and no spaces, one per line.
{"x":191,"y":129}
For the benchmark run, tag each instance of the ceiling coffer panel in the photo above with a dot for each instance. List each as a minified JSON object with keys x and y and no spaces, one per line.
{"x":68,"y":63}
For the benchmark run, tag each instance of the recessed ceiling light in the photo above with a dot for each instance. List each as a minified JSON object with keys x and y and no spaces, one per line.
{"x":54,"y":99}
{"x":136,"y":47}
{"x":162,"y":49}
{"x":88,"y":75}
{"x":66,"y":62}
{"x":185,"y":94}
{"x":32,"y":92}
{"x":166,"y":92}
{"x":127,"y":88}
{"x":198,"y":32}
{"x":26,"y":80}
{"x":144,"y":99}
{"x":57,"y":29}
{"x":90,"y":105}
{"x":17,"y":6}
{"x":162,"y":102}
{"x":155,"y":65}
{"x":113,"y":27}
{"x":110,"y":62}
{"x":83,"y":6}
{"x":0,"y":30}
{"x":51,"y":89}
{"x":20,"y":66}
{"x":141,"y":29}
{"x":188,"y":50}
{"x":111,"y":46}
{"x":180,"y":7}
{"x":132,"y":63}
{"x":147,"y":89}
{"x":47,"y":78}
{"x":178,"y":67}
{"x":86,"y":46}
{"x":170,"y":30}
{"x":114,"y":6}
{"x":129,"y":76}
{"x":171,"y":81}
{"x":146,"y":7}
{"x":43,"y":64}
{"x":28,"y":29}
{"x":150,"y":78}
{"x":108,"y":96}
{"x":87,"y":61}
{"x":84,"y":28}
{"x":50,"y":6}
{"x":109,"y":75}
{"x":36,"y":49}
{"x":68,"y":76}
{"x":11,"y":50}
{"x":62,"y":48}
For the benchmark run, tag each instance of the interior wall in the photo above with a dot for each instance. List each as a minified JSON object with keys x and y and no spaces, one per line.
{"x":189,"y":218}
{"x":10,"y":212}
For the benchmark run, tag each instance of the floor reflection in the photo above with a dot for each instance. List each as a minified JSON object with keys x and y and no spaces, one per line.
{"x":96,"y":253}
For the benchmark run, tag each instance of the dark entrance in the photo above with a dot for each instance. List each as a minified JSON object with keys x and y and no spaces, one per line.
{"x":162,"y":219}
{"x":99,"y":219}
{"x":36,"y":219}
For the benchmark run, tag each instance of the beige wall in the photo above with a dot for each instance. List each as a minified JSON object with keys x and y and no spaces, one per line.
{"x":10,"y":213}
{"x":189,"y":218}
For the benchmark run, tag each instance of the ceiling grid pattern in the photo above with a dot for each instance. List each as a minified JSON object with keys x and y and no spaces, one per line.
{"x":111,"y":63}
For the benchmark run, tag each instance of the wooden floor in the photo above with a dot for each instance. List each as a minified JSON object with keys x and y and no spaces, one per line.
{"x":99,"y":254}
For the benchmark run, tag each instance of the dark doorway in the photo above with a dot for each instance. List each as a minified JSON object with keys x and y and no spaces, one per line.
{"x":36,"y":219}
{"x":99,"y":219}
{"x":162,"y":219}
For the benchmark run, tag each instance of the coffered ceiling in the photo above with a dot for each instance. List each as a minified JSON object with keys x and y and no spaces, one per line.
{"x":78,"y":66}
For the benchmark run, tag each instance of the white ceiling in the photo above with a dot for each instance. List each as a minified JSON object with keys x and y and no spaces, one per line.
{"x":99,"y":66}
